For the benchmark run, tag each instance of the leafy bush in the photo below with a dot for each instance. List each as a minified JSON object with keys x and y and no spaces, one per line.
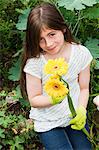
{"x":16,"y":131}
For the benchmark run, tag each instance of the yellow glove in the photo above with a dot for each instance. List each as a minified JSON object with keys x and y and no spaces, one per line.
{"x":56,"y":100}
{"x":79,"y":121}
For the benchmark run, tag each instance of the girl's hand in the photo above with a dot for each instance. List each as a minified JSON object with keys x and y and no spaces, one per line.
{"x":56,"y":100}
{"x":79,"y":121}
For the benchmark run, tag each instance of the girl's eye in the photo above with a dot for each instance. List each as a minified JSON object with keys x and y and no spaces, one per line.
{"x":52,"y":34}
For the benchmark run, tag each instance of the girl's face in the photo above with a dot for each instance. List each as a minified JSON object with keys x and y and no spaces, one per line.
{"x":51,"y":41}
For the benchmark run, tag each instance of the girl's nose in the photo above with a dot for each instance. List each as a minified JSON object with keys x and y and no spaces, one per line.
{"x":49,"y":43}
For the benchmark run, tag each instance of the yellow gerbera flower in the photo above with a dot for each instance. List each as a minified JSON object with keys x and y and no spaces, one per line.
{"x":58,"y":66}
{"x":55,"y":88}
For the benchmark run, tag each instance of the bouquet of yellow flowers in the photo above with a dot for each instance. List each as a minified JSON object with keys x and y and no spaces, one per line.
{"x":57,"y":88}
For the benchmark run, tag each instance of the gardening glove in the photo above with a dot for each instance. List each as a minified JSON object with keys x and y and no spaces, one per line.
{"x":56,"y":100}
{"x":79,"y":121}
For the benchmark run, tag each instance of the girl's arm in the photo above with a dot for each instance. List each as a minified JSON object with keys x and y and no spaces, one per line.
{"x":79,"y":121}
{"x":34,"y":91}
{"x":84,"y":79}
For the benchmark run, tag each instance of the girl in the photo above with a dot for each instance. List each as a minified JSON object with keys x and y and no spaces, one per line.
{"x":48,"y":37}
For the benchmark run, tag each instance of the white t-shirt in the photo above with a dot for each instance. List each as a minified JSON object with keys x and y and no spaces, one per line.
{"x":58,"y":115}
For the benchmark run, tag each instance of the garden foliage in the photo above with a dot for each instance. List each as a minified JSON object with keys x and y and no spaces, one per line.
{"x":82,"y":16}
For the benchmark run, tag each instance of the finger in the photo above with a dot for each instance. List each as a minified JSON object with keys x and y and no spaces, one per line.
{"x":79,"y":126}
{"x":82,"y":122}
{"x":75,"y":127}
{"x":73,"y":121}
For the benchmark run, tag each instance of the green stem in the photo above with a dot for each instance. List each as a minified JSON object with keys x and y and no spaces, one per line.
{"x":71,"y":106}
{"x":72,"y":109}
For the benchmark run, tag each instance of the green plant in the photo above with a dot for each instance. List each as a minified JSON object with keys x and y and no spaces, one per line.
{"x":16,"y":131}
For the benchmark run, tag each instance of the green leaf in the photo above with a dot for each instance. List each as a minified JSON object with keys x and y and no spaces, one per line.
{"x":22,"y":21}
{"x":97,"y":1}
{"x":3,"y":93}
{"x":91,"y":13}
{"x":2,"y":131}
{"x":97,"y":64}
{"x":14,"y":71}
{"x":1,"y":121}
{"x":19,"y":140}
{"x":19,"y":10}
{"x":16,"y":144}
{"x":0,"y":146}
{"x":77,"y":4}
{"x":2,"y":113}
{"x":6,"y":121}
{"x":18,"y":92}
{"x":93,"y":46}
{"x":24,"y":103}
{"x":25,"y":2}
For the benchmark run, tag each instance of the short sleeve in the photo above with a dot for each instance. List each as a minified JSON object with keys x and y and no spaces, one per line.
{"x":33,"y":67}
{"x":85,"y":58}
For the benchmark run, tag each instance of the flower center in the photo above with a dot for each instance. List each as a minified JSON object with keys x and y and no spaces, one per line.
{"x":56,"y":87}
{"x":55,"y":67}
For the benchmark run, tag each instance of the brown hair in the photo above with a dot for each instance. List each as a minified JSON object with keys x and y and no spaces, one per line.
{"x":44,"y":14}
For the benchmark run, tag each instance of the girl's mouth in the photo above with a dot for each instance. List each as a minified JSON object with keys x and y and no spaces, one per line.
{"x":51,"y":49}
